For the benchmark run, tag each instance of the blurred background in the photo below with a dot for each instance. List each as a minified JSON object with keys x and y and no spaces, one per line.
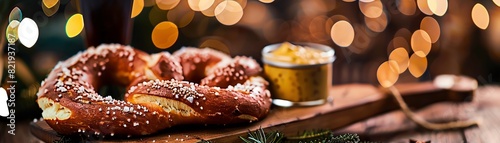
{"x":422,"y":38}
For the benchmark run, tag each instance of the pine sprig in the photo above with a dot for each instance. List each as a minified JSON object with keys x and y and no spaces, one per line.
{"x":259,"y":136}
{"x":312,"y":136}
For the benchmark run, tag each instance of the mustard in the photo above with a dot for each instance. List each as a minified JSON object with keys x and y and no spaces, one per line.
{"x":300,"y":74}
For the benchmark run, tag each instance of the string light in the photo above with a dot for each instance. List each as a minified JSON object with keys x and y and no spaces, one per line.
{"x":431,"y":26}
{"x":480,"y":16}
{"x":400,"y":55}
{"x":421,"y":43}
{"x":229,"y":12}
{"x":164,"y":34}
{"x":438,"y":7}
{"x":137,"y":7}
{"x":424,"y":7}
{"x":266,"y":1}
{"x":28,"y":32}
{"x":50,"y":3}
{"x":371,"y":9}
{"x":342,"y":33}
{"x":387,"y":73}
{"x":167,"y":4}
{"x":407,"y":7}
{"x":74,"y":25}
{"x":418,"y":65}
{"x":12,"y":31}
{"x":15,"y":14}
{"x":49,"y":11}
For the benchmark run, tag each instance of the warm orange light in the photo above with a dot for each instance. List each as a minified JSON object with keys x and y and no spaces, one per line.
{"x":342,"y":33}
{"x":438,"y":7}
{"x":167,"y":4}
{"x":431,"y":26}
{"x":387,"y":74}
{"x":49,"y":3}
{"x":424,"y":7}
{"x":74,"y":25}
{"x":205,"y":4}
{"x":137,"y":7}
{"x":376,"y":24}
{"x":266,"y":1}
{"x":371,"y":9}
{"x":421,"y":43}
{"x":497,"y":2}
{"x":400,"y":55}
{"x":210,"y":11}
{"x":49,"y":11}
{"x":417,"y":66}
{"x":480,"y":16}
{"x":407,"y":7}
{"x":181,"y":15}
{"x":164,"y":34}
{"x":228,"y":12}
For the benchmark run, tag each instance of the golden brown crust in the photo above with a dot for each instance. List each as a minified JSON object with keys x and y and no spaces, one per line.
{"x":157,"y":98}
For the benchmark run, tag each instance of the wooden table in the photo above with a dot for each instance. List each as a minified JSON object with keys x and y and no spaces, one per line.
{"x":394,"y":126}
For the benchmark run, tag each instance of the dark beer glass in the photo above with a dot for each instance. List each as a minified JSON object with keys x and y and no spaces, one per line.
{"x":106,"y":21}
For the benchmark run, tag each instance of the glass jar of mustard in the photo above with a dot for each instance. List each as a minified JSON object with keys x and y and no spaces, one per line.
{"x":299,"y":75}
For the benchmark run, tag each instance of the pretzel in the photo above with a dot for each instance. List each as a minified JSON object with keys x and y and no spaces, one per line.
{"x":157,"y":97}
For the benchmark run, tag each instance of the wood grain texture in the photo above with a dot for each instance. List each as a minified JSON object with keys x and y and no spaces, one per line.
{"x":351,"y":103}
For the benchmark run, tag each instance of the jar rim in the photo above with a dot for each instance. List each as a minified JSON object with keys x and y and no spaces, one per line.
{"x":327,"y":51}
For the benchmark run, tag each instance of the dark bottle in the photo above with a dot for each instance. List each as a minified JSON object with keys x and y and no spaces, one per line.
{"x":106,"y":21}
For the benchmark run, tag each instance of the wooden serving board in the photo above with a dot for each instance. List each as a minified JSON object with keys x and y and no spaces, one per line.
{"x":351,"y":103}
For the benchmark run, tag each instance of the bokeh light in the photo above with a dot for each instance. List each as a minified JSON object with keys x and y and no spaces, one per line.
{"x":266,"y":1}
{"x":228,"y":12}
{"x":438,"y":7}
{"x":431,"y":26}
{"x":195,"y":4}
{"x":377,"y":24}
{"x":137,"y":7}
{"x":480,"y":16}
{"x":400,"y":55}
{"x":49,"y":11}
{"x":167,"y":4}
{"x":74,"y":26}
{"x":49,"y":3}
{"x":417,"y":66}
{"x":342,"y":33}
{"x":407,"y":7}
{"x":12,"y":32}
{"x":424,"y":7}
{"x":28,"y":32}
{"x":181,"y":15}
{"x":371,"y":9}
{"x":164,"y":34}
{"x":15,"y":14}
{"x":497,"y":2}
{"x":210,"y":12}
{"x":421,"y":43}
{"x":387,"y":74}
{"x":204,"y":4}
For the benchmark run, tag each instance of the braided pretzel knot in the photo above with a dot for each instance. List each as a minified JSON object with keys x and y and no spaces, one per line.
{"x":158,"y":97}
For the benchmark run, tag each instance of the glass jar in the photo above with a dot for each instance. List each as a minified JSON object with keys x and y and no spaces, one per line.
{"x":300,"y":75}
